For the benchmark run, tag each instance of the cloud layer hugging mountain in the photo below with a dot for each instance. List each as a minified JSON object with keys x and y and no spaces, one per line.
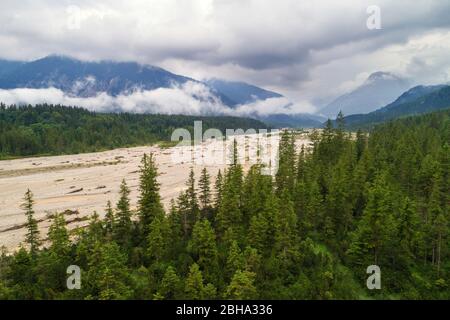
{"x":191,"y":98}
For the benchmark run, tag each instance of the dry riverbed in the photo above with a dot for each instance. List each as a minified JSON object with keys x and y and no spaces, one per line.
{"x":83,"y":183}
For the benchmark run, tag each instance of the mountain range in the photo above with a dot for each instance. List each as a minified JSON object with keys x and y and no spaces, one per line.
{"x":417,"y":100}
{"x":379,"y":89}
{"x":382,"y":96}
{"x":85,"y":79}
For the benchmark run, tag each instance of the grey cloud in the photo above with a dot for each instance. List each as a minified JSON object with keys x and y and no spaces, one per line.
{"x":281,"y":44}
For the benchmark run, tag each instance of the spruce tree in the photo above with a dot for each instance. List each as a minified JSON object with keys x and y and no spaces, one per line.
{"x":229,"y":213}
{"x":32,"y":236}
{"x":409,"y":233}
{"x":285,"y":176}
{"x":242,"y":286}
{"x":441,"y":229}
{"x":108,"y":275}
{"x":194,"y":286}
{"x":195,"y":289}
{"x":219,"y":189}
{"x":184,"y":212}
{"x":255,"y":189}
{"x":158,"y":240}
{"x":205,"y":190}
{"x":361,"y":143}
{"x":192,"y":198}
{"x":175,"y":225}
{"x":235,"y":259}
{"x":149,"y":203}
{"x":285,"y":230}
{"x":124,"y":225}
{"x":170,"y":285}
{"x":204,"y":250}
{"x":261,"y":229}
{"x":340,"y":200}
{"x":110,"y":219}
{"x":59,"y":236}
{"x":376,"y":231}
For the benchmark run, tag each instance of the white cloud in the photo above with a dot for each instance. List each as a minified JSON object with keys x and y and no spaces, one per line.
{"x":275,"y":105}
{"x":303,"y":49}
{"x":191,"y":98}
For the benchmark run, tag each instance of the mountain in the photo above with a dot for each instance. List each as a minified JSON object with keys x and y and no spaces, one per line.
{"x":415,"y":93}
{"x":418,"y":100}
{"x":379,"y":89}
{"x":7,"y":66}
{"x":241,"y":92}
{"x":85,"y":79}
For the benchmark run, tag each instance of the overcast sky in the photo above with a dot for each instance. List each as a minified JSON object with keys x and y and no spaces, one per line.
{"x":310,"y":51}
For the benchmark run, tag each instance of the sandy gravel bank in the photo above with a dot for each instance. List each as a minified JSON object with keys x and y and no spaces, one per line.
{"x":85,"y":182}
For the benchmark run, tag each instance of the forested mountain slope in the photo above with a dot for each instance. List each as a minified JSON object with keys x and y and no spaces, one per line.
{"x":415,"y":101}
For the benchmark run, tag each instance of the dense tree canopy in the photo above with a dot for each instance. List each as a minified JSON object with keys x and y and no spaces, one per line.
{"x":55,"y":129}
{"x":334,"y":209}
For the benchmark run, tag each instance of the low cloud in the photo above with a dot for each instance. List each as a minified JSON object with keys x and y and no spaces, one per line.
{"x":274,"y":105}
{"x":191,"y":98}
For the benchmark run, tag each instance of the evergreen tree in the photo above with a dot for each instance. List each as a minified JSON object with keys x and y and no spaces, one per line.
{"x":235,"y":259}
{"x":170,"y":285}
{"x":175,"y":226}
{"x":340,"y":200}
{"x":285,"y":233}
{"x":124,"y":225}
{"x":219,"y":189}
{"x":59,"y":236}
{"x":376,"y":230}
{"x":440,"y":227}
{"x":149,"y":204}
{"x":108,"y":275}
{"x":191,"y":193}
{"x":242,"y":286}
{"x":205,"y":190}
{"x":158,"y":241}
{"x":110,"y":219}
{"x":229,"y":213}
{"x":361,"y":143}
{"x":194,"y":287}
{"x":252,"y":259}
{"x":261,"y":231}
{"x":204,"y":250}
{"x":186,"y":219}
{"x":285,"y":176}
{"x":32,"y":236}
{"x":435,"y":209}
{"x":255,"y":189}
{"x":95,"y":228}
{"x":408,"y":231}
